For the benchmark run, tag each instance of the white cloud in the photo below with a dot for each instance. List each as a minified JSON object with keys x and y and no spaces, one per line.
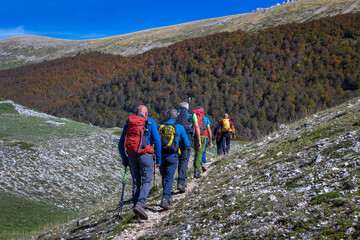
{"x":12,"y":32}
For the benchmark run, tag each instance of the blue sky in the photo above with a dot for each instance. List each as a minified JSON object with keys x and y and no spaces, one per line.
{"x":80,"y":19}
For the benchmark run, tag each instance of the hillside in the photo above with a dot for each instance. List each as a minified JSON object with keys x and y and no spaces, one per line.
{"x":24,"y":50}
{"x":301,"y":182}
{"x":52,"y":165}
{"x":262,"y":80}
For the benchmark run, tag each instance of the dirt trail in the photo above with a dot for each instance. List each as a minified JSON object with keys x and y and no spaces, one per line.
{"x":155,"y":212}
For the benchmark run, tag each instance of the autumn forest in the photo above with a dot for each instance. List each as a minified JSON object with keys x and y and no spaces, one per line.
{"x":262,"y":80}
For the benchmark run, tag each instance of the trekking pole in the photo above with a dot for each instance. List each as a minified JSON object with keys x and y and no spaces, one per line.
{"x":122,"y":197}
{"x":154,"y":171}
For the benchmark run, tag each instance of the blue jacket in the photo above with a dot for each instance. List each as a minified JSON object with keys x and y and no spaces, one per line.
{"x":180,"y":130}
{"x":154,"y":139}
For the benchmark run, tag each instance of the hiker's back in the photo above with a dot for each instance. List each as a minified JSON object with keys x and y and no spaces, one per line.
{"x":201,"y":121}
{"x":136,"y":140}
{"x":167,"y":134}
{"x":184,"y":118}
{"x":225,"y":125}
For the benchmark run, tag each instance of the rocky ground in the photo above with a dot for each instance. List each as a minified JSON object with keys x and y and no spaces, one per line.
{"x":301,"y":182}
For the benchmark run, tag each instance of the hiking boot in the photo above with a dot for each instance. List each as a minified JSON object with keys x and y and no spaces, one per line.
{"x":139,"y":211}
{"x":164,"y":204}
{"x":181,"y":188}
{"x":203,"y":168}
{"x":197,"y":175}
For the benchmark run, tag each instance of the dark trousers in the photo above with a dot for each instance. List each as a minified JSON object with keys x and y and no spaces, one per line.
{"x":218,"y":146}
{"x":141,"y":168}
{"x":183,"y":163}
{"x":204,"y":154}
{"x":225,"y":143}
{"x":167,"y":170}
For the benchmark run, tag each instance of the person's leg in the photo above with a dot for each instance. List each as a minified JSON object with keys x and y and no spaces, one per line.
{"x":135,"y":174}
{"x":169,"y":172}
{"x":163,"y":170}
{"x":227,"y":142}
{"x":203,"y":159}
{"x":183,"y":164}
{"x":218,"y":146}
{"x":146,"y":167}
{"x":198,"y":156}
{"x":223,"y":143}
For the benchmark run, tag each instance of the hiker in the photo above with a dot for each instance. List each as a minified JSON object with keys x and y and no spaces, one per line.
{"x":170,"y":134}
{"x":208,"y":127}
{"x":217,"y":138}
{"x":226,"y":128}
{"x":136,"y":150}
{"x":188,"y":120}
{"x":205,"y":131}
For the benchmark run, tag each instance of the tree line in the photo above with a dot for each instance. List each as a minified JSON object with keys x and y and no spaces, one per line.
{"x":278,"y":75}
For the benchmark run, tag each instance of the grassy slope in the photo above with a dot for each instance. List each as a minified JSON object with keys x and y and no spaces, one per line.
{"x":31,"y":204}
{"x":311,"y":169}
{"x":20,"y":218}
{"x":23,"y":50}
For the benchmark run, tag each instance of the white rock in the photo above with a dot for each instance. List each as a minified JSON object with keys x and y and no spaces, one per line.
{"x":350,"y":231}
{"x":319,"y":158}
{"x":272,"y":198}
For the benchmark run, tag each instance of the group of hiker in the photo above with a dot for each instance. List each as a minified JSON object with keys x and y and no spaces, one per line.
{"x":169,"y":145}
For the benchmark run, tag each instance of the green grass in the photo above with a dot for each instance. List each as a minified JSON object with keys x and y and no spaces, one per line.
{"x":22,"y":128}
{"x":325,"y":198}
{"x":21,"y":218}
{"x":118,"y":132}
{"x":7,"y":108}
{"x":22,"y":145}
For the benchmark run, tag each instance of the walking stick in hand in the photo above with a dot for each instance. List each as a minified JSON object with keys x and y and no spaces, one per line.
{"x":122,"y":197}
{"x":154,"y":171}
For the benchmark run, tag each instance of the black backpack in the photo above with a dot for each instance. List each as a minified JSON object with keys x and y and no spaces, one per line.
{"x":184,"y":118}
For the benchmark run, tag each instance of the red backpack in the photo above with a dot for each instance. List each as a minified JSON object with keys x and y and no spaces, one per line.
{"x":137,"y":135}
{"x":199,"y":115}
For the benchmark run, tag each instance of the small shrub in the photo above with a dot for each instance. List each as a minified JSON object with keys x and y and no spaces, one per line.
{"x":22,"y":145}
{"x":7,"y":108}
{"x":324,"y":198}
{"x":118,"y":132}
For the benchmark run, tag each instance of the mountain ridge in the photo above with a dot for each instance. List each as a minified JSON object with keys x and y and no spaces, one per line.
{"x":14,"y":53}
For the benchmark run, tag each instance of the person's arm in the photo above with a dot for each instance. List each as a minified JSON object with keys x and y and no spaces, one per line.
{"x":210,"y":136}
{"x":155,"y":139}
{"x":121,"y":147}
{"x":233,"y":129}
{"x":197,"y":130}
